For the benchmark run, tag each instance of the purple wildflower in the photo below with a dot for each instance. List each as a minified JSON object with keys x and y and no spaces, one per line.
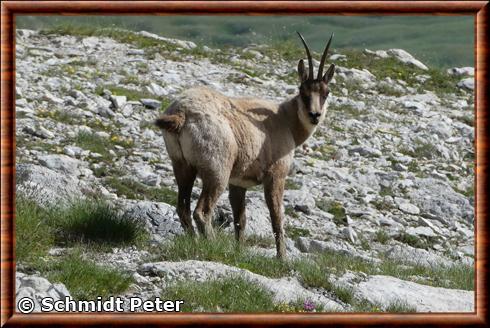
{"x":309,"y":305}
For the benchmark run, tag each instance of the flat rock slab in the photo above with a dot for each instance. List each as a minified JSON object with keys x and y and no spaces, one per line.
{"x":283,"y":290}
{"x":48,"y":187}
{"x":386,"y":290}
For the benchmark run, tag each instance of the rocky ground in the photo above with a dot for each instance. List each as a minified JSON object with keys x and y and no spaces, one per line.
{"x":389,"y":175}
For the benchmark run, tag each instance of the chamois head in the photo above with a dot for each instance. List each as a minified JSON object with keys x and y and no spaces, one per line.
{"x":313,"y":92}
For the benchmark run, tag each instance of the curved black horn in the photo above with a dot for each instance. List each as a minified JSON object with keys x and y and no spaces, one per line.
{"x":310,"y":61}
{"x":324,"y":56}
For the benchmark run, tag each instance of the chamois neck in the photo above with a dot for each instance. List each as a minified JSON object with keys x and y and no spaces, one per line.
{"x":299,"y":129}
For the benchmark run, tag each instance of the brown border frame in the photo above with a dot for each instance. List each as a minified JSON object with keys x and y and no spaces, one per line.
{"x":479,"y":9}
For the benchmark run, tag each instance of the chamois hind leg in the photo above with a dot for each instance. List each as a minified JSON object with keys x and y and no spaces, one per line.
{"x":237,"y":201}
{"x":212,"y":187}
{"x":274,"y":190}
{"x":185,"y":176}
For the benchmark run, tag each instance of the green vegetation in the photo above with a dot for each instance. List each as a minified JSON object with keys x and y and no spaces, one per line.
{"x":400,"y":306}
{"x":439,"y":82}
{"x":291,"y":185}
{"x":88,"y":222}
{"x":86,"y":225}
{"x":231,"y":294}
{"x":449,"y":44}
{"x":388,"y":90}
{"x":224,"y":249}
{"x":86,"y":280}
{"x":260,"y":241}
{"x":415,"y":241}
{"x":311,"y":272}
{"x":291,"y":212}
{"x":97,"y":223}
{"x":381,"y":237}
{"x":386,"y":191}
{"x":133,"y":189}
{"x":338,"y":211}
{"x":345,"y":108}
{"x":327,"y":151}
{"x":59,"y":116}
{"x":34,"y":234}
{"x":133,"y":94}
{"x":295,"y":232}
{"x":100,"y":145}
{"x":334,"y":208}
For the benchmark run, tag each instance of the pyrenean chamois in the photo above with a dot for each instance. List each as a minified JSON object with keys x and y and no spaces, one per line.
{"x":240,"y":142}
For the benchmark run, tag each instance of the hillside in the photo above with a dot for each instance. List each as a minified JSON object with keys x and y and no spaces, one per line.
{"x":449,"y":43}
{"x":379,"y":208}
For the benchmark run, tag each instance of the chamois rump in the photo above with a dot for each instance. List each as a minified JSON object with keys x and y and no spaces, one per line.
{"x":240,"y":143}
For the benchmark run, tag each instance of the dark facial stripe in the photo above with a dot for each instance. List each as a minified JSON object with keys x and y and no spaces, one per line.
{"x":306,"y":99}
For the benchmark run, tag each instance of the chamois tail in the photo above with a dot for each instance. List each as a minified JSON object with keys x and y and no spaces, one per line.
{"x":171,"y":123}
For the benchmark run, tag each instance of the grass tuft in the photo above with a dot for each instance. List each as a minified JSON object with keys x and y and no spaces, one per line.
{"x":400,"y":306}
{"x":97,"y":223}
{"x":33,"y":232}
{"x":86,"y":280}
{"x":231,"y":294}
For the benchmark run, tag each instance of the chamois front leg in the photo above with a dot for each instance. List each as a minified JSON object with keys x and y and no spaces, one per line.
{"x":274,"y":190}
{"x":237,"y":201}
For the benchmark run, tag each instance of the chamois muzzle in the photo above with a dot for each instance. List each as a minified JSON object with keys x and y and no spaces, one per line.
{"x":314,"y":117}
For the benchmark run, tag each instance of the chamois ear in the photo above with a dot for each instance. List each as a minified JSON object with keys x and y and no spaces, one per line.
{"x":303,"y":75}
{"x":329,"y":74}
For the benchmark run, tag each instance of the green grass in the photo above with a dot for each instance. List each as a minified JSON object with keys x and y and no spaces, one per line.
{"x":439,"y":82}
{"x":94,"y":143}
{"x":295,"y":232}
{"x":230,"y":294}
{"x":131,"y":94}
{"x":338,"y":211}
{"x":389,"y":90}
{"x":291,"y":212}
{"x":135,"y":190}
{"x":421,"y":150}
{"x":458,"y":276}
{"x":260,"y":241}
{"x":59,"y":116}
{"x":89,"y":225}
{"x":311,"y":272}
{"x":291,"y":185}
{"x":223,"y":249}
{"x":400,"y":306}
{"x":96,"y":223}
{"x":86,"y":280}
{"x":447,"y":45}
{"x":345,"y":294}
{"x":33,"y":232}
{"x":415,"y":241}
{"x":83,"y":223}
{"x":334,"y":208}
{"x":381,"y":237}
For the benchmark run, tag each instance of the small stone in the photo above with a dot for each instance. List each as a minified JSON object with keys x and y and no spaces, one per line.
{"x":118,"y":101}
{"x":409,"y":208}
{"x":421,"y":231}
{"x":151,"y":103}
{"x":468,"y":83}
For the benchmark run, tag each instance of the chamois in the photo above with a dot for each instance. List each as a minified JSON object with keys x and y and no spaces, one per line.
{"x":240,"y":142}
